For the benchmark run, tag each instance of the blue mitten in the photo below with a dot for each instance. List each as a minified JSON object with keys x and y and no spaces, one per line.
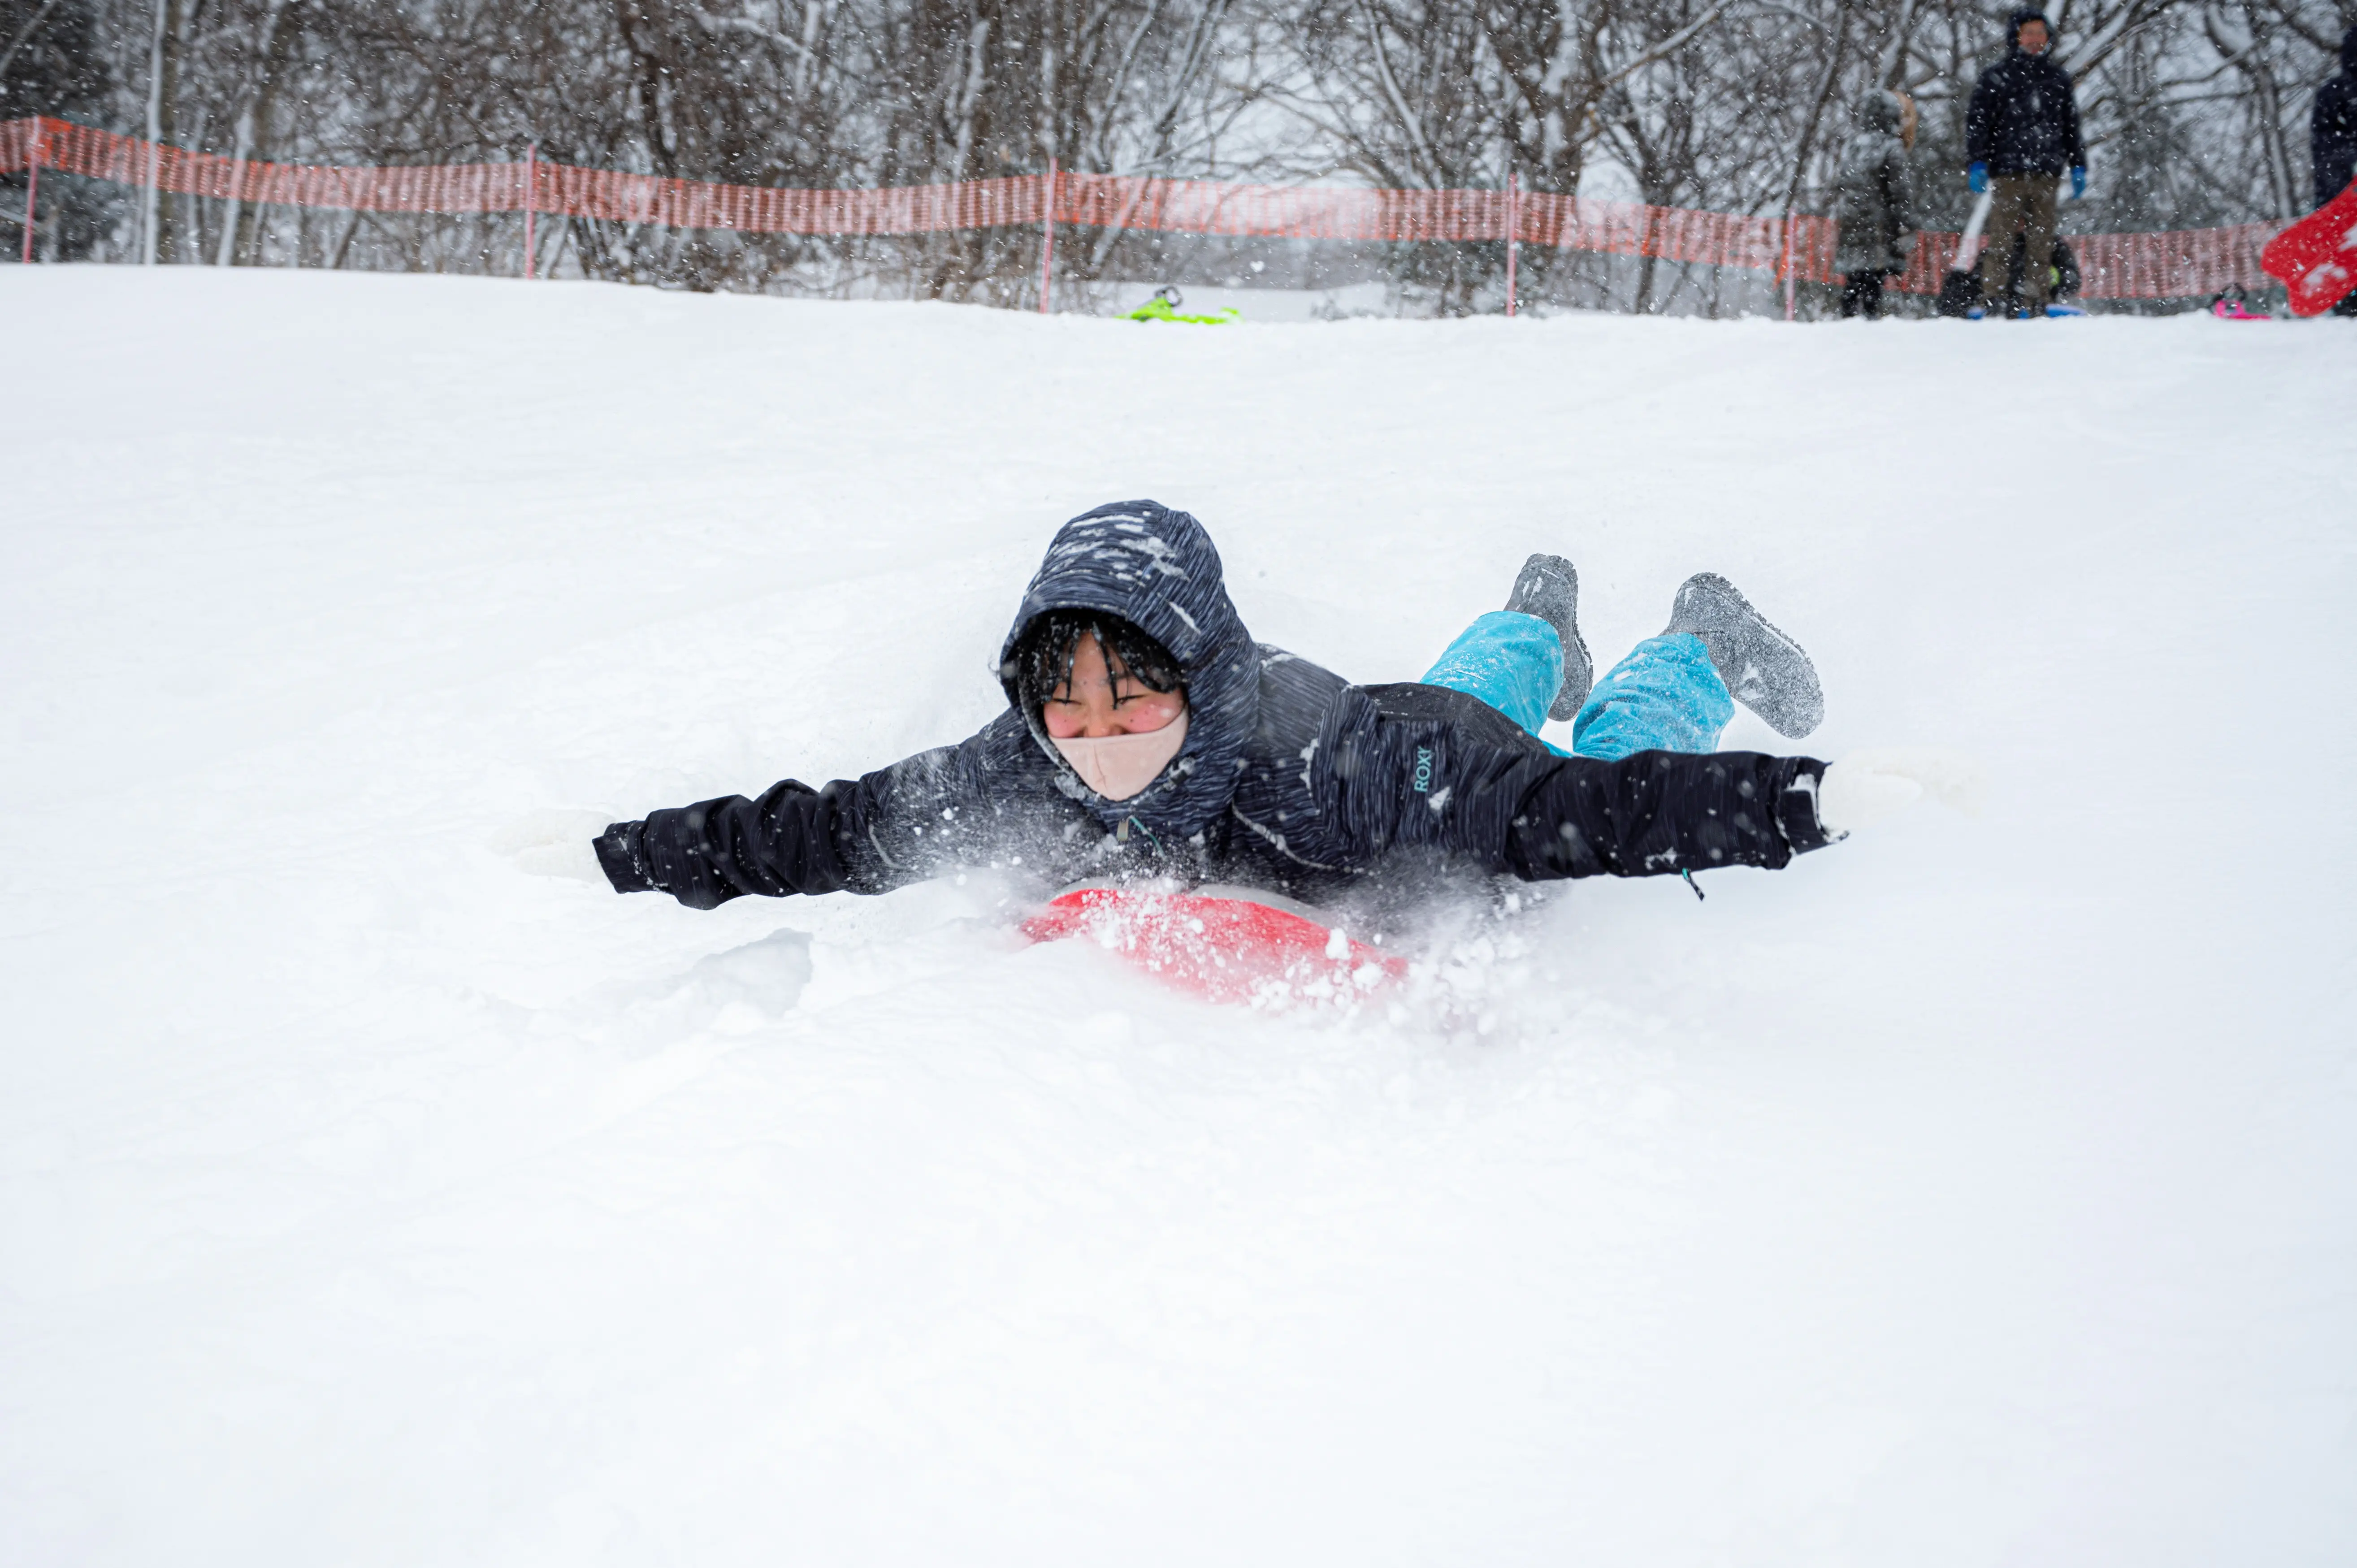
{"x":2078,"y":182}
{"x":1978,"y":177}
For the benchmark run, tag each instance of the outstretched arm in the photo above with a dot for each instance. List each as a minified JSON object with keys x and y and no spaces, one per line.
{"x":982,"y":802}
{"x":1660,"y":813}
{"x":1435,"y":769}
{"x":785,"y":842}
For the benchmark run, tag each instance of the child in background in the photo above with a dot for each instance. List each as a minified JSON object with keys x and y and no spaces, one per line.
{"x":1877,"y":206}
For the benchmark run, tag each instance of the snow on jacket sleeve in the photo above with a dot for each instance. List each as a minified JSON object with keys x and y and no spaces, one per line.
{"x":1664,"y":812}
{"x":782,"y":842}
{"x":988,"y":800}
{"x":1415,"y":767}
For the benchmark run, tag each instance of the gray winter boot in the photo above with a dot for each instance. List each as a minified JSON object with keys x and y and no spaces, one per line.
{"x":1549,"y":589}
{"x":1764,"y":670}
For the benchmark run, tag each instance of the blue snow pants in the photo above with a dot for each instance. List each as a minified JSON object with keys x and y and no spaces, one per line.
{"x":1665,"y":696}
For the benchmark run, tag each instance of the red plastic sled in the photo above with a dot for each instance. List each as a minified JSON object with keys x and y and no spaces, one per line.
{"x":1220,"y":949}
{"x":2317,"y":257}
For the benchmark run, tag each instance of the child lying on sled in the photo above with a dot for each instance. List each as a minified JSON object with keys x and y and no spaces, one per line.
{"x":1146,"y":734}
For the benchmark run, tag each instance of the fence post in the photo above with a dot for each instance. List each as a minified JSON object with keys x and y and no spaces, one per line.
{"x":1513,"y":236}
{"x":152,"y":209}
{"x":531,"y":203}
{"x":32,"y":187}
{"x":1048,"y":246}
{"x":1788,"y":266}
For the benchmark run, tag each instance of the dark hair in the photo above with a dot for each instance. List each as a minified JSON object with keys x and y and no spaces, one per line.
{"x":1041,"y":662}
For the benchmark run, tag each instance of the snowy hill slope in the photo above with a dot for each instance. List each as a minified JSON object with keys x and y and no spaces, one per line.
{"x":1974,"y":1192}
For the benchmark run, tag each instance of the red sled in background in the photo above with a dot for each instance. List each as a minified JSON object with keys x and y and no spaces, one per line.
{"x":1229,"y":945}
{"x":2317,"y":257}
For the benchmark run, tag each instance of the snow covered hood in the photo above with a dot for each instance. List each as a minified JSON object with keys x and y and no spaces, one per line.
{"x":1158,"y":569}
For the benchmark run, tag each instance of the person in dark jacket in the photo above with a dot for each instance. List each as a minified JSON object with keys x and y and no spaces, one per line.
{"x":2332,"y":139}
{"x":2021,"y":133}
{"x":1146,"y":734}
{"x":2332,"y":126}
{"x":1875,"y":208}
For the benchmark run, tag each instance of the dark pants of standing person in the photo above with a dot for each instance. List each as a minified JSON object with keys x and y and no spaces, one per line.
{"x":2024,"y":205}
{"x":1862,"y":294}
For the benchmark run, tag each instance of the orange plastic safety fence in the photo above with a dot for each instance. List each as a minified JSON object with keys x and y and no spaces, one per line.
{"x":2112,"y":266}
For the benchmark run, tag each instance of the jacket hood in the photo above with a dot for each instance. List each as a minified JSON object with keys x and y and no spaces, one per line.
{"x":1877,"y":112}
{"x":1157,"y":569}
{"x":2017,"y":16}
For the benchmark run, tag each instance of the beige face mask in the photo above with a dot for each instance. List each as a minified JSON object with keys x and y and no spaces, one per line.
{"x":1118,"y":766}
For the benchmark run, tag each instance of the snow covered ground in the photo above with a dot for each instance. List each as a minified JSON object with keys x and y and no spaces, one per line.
{"x":1976,"y":1192}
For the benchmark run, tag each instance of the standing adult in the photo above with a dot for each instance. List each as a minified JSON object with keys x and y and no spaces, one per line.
{"x":2021,"y":133}
{"x":2332,"y":126}
{"x":2332,"y":139}
{"x":1877,"y":202}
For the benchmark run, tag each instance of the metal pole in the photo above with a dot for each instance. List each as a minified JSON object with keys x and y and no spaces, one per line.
{"x":530,"y":201}
{"x":32,"y":187}
{"x":1048,"y":246}
{"x":1514,"y":226}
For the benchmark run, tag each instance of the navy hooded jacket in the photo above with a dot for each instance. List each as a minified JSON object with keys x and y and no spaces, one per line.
{"x":1290,"y":779}
{"x":2332,"y":126}
{"x":2024,"y":114}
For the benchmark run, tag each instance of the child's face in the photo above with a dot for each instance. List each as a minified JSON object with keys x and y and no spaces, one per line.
{"x":1100,"y":702}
